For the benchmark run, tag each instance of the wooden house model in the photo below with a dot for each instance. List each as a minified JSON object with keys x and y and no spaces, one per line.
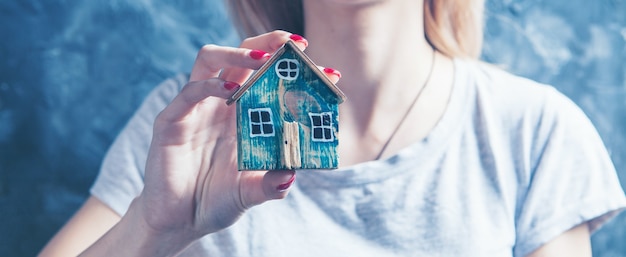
{"x":287,"y":115}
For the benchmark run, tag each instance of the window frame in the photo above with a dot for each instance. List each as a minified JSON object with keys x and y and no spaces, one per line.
{"x":261,"y":123}
{"x":328,"y":127}
{"x":289,"y":70}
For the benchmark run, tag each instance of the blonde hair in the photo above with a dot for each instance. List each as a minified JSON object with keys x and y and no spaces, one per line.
{"x":453,"y":27}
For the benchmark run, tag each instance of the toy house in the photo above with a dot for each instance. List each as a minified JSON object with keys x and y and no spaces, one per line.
{"x":287,"y":115}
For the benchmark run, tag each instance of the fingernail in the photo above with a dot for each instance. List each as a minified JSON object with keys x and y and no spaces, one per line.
{"x":298,"y":38}
{"x":283,"y":187}
{"x":230,"y":85}
{"x":332,"y":71}
{"x":258,"y":54}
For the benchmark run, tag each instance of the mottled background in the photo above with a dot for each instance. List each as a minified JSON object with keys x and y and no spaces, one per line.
{"x":72,"y":73}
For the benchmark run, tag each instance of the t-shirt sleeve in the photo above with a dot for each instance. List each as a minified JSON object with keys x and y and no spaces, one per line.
{"x":121,"y":174}
{"x":572,"y":180}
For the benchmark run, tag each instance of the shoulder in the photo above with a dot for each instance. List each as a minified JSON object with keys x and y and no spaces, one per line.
{"x":517,"y":101}
{"x":154,"y":103}
{"x":121,"y":173}
{"x":542,"y":148}
{"x":511,"y":92}
{"x":533,"y":122}
{"x":157,"y":100}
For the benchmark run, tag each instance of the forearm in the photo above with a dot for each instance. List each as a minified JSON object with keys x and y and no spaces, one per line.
{"x":132,"y":236}
{"x":191,"y":183}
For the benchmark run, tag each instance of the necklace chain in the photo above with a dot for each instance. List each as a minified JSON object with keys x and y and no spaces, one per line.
{"x":408,"y":111}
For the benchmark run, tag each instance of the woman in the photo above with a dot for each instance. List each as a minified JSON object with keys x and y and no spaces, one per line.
{"x":441,"y":155}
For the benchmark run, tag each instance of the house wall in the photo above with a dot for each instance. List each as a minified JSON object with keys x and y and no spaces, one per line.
{"x":289,"y":101}
{"x":257,"y":153}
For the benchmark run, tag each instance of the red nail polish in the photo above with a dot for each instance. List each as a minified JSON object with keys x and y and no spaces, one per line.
{"x":286,"y":185}
{"x":258,"y":54}
{"x":298,"y":38}
{"x":332,"y":71}
{"x":230,"y":85}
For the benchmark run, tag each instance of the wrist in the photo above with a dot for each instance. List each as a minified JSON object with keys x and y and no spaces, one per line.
{"x":133,"y":236}
{"x":155,"y":241}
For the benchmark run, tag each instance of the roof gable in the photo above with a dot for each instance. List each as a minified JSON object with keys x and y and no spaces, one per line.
{"x":289,"y":46}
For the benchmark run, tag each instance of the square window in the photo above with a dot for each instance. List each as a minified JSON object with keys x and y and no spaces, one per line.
{"x":261,"y":122}
{"x":322,"y":127}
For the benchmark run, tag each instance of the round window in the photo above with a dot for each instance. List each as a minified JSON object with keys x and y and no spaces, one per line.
{"x":287,"y":69}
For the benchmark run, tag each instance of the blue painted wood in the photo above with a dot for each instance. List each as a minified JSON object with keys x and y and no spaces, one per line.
{"x":291,"y":101}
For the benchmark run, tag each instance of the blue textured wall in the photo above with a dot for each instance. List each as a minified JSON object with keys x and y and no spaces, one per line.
{"x":72,"y":72}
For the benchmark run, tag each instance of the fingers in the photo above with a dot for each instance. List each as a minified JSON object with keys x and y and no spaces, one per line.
{"x":269,"y":43}
{"x":236,"y":64}
{"x":211,"y":59}
{"x":193,"y":93}
{"x":233,"y":64}
{"x":272,"y":41}
{"x":257,"y":188}
{"x":332,"y":74}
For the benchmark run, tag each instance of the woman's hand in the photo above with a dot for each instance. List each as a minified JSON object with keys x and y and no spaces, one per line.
{"x":192,"y":186}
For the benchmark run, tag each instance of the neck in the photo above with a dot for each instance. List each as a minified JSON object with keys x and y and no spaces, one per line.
{"x":365,"y":40}
{"x":380,"y":48}
{"x":378,"y":45}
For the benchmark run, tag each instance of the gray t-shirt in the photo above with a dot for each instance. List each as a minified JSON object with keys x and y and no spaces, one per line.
{"x":511,"y":165}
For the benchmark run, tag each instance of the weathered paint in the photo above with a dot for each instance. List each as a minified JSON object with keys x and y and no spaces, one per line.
{"x":290,"y":101}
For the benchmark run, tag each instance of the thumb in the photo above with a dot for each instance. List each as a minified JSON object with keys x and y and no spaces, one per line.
{"x":258,"y":188}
